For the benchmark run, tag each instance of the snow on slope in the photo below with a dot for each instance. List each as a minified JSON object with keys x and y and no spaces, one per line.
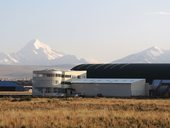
{"x":7,"y":59}
{"x":36,"y":46}
{"x":150,"y":55}
{"x":37,"y":53}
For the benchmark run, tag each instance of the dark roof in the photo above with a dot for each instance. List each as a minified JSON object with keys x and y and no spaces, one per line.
{"x":147,"y":71}
{"x":8,"y":84}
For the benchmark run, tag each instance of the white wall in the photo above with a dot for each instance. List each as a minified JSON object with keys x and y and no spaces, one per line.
{"x":138,"y":88}
{"x":107,"y":90}
{"x":44,"y":80}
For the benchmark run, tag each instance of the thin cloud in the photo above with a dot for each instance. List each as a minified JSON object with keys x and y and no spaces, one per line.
{"x":162,"y":13}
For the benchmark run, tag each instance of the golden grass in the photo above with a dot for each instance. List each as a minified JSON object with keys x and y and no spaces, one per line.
{"x":15,"y":93}
{"x":85,"y":113}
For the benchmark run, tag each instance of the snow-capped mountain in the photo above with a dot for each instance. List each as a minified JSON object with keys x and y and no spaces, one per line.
{"x":7,"y":59}
{"x":35,"y":47}
{"x":150,"y":55}
{"x":37,"y":53}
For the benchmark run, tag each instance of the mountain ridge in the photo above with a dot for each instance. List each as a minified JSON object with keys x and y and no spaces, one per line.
{"x":36,"y":52}
{"x":151,"y":55}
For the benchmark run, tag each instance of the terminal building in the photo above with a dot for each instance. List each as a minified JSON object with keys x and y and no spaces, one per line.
{"x":53,"y":82}
{"x":56,"y":83}
{"x":108,"y":80}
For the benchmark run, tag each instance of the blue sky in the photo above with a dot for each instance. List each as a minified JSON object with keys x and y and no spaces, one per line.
{"x":103,"y":30}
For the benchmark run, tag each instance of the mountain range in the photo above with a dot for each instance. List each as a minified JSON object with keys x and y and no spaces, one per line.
{"x":37,"y":53}
{"x":150,"y":55}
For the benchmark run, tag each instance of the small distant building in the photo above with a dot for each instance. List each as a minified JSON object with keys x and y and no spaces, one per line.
{"x":10,"y":86}
{"x":53,"y":82}
{"x":109,"y":87}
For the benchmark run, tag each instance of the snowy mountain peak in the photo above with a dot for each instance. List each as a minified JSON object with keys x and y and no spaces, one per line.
{"x":37,"y":53}
{"x":154,"y":51}
{"x":157,"y":49}
{"x":38,"y":44}
{"x":150,"y":55}
{"x":37,"y":48}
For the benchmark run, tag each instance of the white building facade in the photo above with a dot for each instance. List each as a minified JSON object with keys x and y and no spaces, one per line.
{"x":109,"y":87}
{"x":52,"y":82}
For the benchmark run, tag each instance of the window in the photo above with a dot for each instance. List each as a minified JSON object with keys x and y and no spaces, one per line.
{"x":37,"y":75}
{"x":56,"y":82}
{"x":40,"y":89}
{"x":68,"y":76}
{"x":65,"y":76}
{"x":50,"y":75}
{"x":59,"y":90}
{"x":74,"y":76}
{"x":40,"y":75}
{"x":55,"y":90}
{"x":58,"y":75}
{"x":66,"y":82}
{"x":48,"y":90}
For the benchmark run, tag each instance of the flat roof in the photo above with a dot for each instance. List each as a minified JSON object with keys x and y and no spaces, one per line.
{"x":55,"y":71}
{"x":47,"y":71}
{"x":105,"y":81}
{"x":8,"y":84}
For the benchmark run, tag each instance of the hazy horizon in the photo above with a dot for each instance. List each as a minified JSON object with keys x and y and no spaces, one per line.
{"x":102,"y":30}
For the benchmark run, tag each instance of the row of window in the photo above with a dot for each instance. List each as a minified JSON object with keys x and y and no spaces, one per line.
{"x":52,"y":75}
{"x":50,"y":90}
{"x":58,"y":75}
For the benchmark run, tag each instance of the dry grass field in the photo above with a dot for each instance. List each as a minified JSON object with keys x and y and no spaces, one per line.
{"x":15,"y":93}
{"x":84,"y":113}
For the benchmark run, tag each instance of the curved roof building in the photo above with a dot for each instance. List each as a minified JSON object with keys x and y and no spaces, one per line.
{"x":148,"y":71}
